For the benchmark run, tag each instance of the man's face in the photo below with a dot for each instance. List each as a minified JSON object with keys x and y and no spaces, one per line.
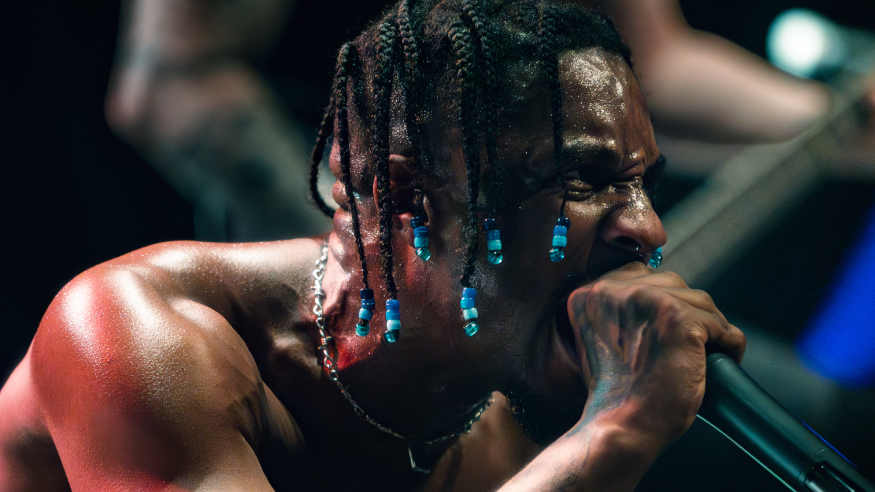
{"x":608,"y":151}
{"x":524,"y":347}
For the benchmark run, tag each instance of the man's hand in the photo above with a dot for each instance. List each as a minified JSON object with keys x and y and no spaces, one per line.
{"x":643,"y":338}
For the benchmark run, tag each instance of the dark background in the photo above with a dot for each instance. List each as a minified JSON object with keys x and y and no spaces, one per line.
{"x":74,"y":196}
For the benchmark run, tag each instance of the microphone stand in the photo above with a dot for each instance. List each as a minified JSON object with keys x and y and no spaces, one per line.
{"x":740,"y":409}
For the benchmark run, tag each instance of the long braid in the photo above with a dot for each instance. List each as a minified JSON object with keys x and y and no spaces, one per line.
{"x":410,"y":81}
{"x":382,"y":83}
{"x":487,"y":92}
{"x":325,"y":129}
{"x":547,"y":33}
{"x":347,"y":61}
{"x":460,"y":37}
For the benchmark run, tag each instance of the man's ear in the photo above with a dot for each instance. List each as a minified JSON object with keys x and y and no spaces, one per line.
{"x":400,"y":182}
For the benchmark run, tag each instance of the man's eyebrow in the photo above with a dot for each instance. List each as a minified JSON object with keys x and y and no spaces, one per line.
{"x":585,"y":153}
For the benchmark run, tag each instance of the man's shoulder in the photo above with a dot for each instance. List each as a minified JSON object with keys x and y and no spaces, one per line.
{"x":157,"y":328}
{"x":145,"y":349}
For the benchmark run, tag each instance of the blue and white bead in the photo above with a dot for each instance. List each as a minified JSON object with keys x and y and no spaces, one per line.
{"x":493,"y":241}
{"x":469,"y":310}
{"x":420,"y":237}
{"x":560,"y":239}
{"x":393,"y":320}
{"x":365,"y":313}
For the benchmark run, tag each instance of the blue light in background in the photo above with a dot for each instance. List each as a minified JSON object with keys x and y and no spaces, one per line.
{"x":840,"y":341}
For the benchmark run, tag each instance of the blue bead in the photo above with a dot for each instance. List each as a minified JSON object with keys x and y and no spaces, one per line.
{"x":467,"y":302}
{"x":392,"y":305}
{"x":391,"y":336}
{"x":423,"y":253}
{"x":362,"y":329}
{"x":472,"y":328}
{"x":417,"y":221}
{"x":656,"y":258}
{"x":368,"y":304}
{"x":490,"y":223}
{"x":366,"y":293}
{"x":420,"y":242}
{"x":420,"y":232}
{"x":469,"y":292}
{"x":560,"y":231}
{"x":564,"y":222}
{"x":393,"y":325}
{"x":493,"y":234}
{"x":556,"y":254}
{"x":495,"y":257}
{"x":470,"y":313}
{"x":366,"y":314}
{"x":560,"y":241}
{"x":395,"y":315}
{"x":493,"y":245}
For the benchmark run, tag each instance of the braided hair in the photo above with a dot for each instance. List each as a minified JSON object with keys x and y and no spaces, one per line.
{"x":474,"y":43}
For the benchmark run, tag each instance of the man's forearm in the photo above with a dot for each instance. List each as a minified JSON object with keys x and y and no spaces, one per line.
{"x":592,"y":456}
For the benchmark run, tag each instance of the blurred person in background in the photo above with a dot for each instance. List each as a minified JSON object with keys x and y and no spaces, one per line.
{"x":190,"y":92}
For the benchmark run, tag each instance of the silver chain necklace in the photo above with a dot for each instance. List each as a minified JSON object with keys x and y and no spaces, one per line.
{"x":319,"y":296}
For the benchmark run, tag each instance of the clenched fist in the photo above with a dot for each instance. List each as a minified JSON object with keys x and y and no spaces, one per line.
{"x":643,"y":338}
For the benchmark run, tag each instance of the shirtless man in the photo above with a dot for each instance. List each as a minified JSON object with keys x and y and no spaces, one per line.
{"x":190,"y":366}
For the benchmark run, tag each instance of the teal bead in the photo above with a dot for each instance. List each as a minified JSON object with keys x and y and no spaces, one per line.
{"x":366,"y":314}
{"x":423,"y":253}
{"x":656,"y":258}
{"x":362,"y":329}
{"x":471,"y":328}
{"x":493,"y":245}
{"x":393,"y":324}
{"x":470,"y":313}
{"x":467,"y":302}
{"x":391,"y":336}
{"x":560,"y":231}
{"x":495,"y":257}
{"x":493,"y":234}
{"x":560,"y":241}
{"x":556,"y":255}
{"x":420,"y":242}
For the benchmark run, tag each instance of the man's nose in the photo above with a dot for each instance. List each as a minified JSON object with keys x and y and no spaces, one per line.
{"x":634,"y":225}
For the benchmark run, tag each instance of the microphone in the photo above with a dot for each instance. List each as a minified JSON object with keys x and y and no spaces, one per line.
{"x":740,"y":409}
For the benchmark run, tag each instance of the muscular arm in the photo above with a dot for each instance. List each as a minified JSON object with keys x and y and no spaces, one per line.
{"x":141,"y":381}
{"x":702,"y":86}
{"x":185,"y":92}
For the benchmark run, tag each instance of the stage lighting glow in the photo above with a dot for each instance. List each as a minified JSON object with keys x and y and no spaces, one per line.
{"x":840,"y":342}
{"x":798,"y":41}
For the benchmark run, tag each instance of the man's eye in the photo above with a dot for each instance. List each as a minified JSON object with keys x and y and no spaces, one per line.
{"x":653,"y":177}
{"x":585,"y":178}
